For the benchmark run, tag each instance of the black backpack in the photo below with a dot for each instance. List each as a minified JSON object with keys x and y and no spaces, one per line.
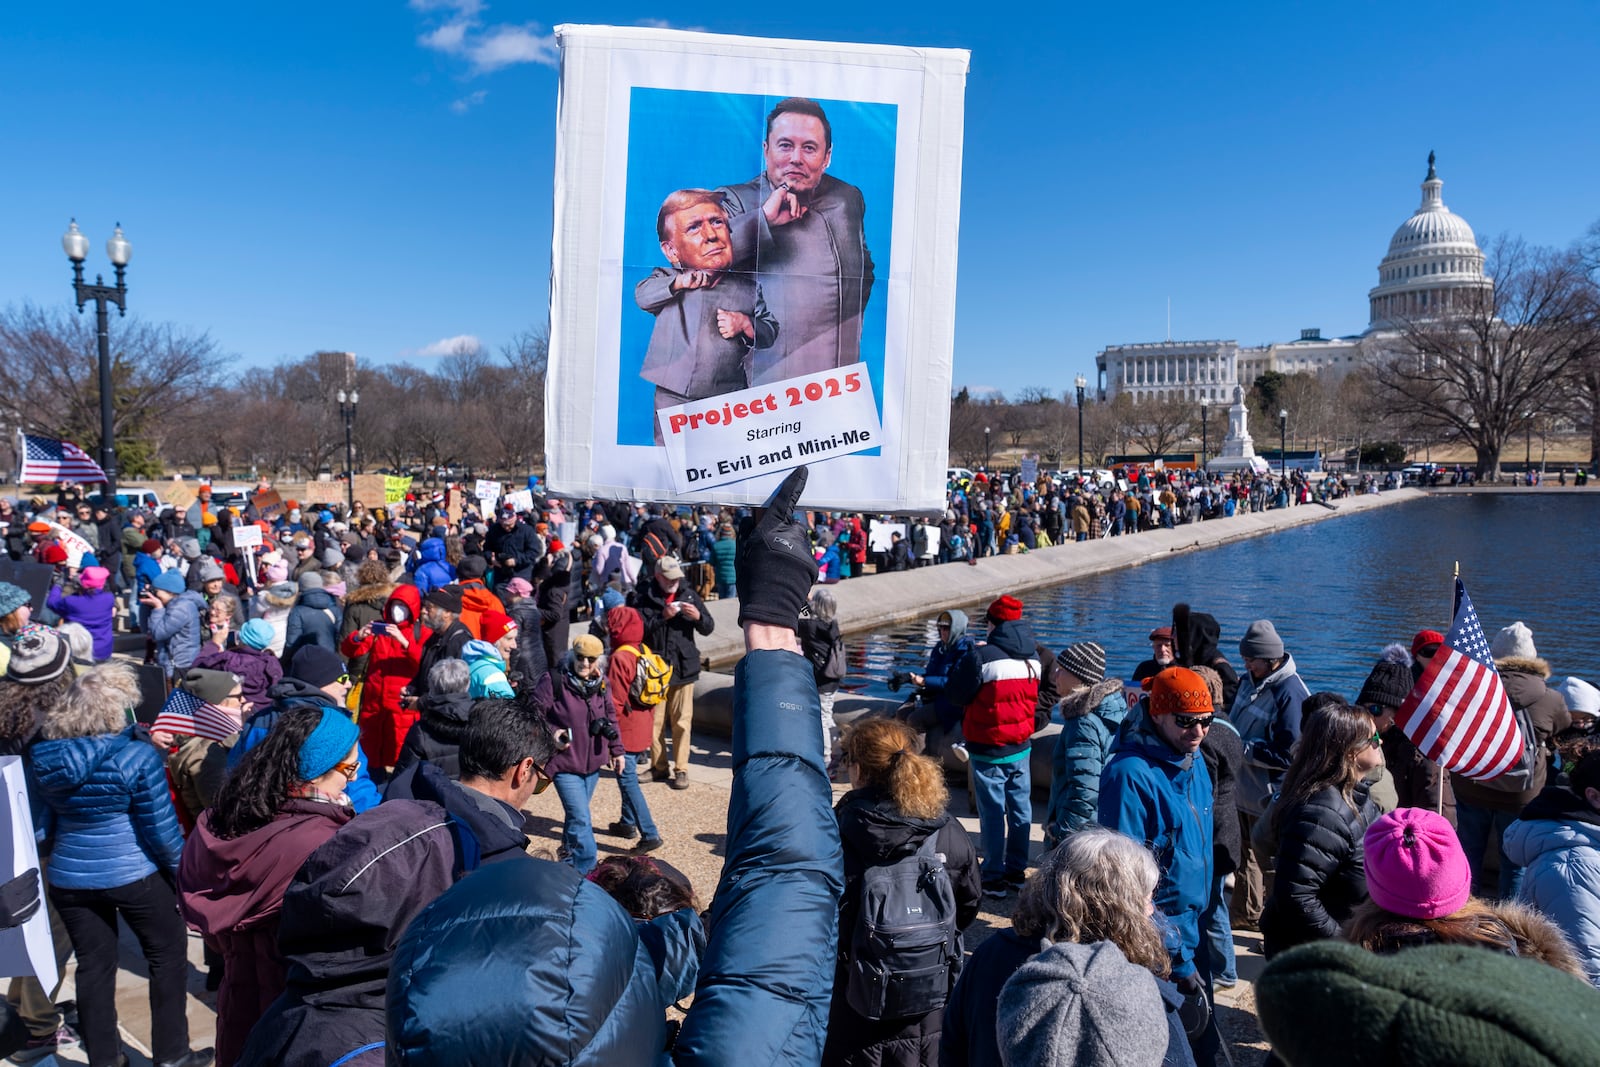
{"x":1519,"y":777}
{"x":905,"y":951}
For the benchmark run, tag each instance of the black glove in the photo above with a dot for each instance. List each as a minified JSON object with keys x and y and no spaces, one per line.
{"x":774,"y":563}
{"x":1195,"y":1011}
{"x":19,"y":899}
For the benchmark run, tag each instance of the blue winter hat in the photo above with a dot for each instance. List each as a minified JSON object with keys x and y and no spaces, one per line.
{"x":328,"y":744}
{"x":12,"y":597}
{"x":611,"y":599}
{"x":88,"y":559}
{"x":256,"y":634}
{"x":168,"y":582}
{"x":478,"y":650}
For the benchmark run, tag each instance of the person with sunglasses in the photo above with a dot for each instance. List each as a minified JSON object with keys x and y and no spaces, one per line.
{"x":1316,"y":825}
{"x":283,"y":800}
{"x":575,"y":701}
{"x":1155,"y":789}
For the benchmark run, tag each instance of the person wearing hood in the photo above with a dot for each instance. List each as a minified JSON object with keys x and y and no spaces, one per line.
{"x":177,"y":615}
{"x":316,"y":678}
{"x":477,"y":599}
{"x":998,"y":684}
{"x":1197,"y":636}
{"x":1266,"y":712}
{"x":432,"y":568}
{"x":896,"y":802}
{"x":635,"y":724}
{"x":251,"y":659}
{"x":1092,"y":709}
{"x":1156,"y":790}
{"x":392,"y":647}
{"x":279,"y":804}
{"x":1557,"y":843}
{"x":272,"y":606}
{"x":314,"y":619}
{"x":364,"y":603}
{"x":938,"y":717}
{"x":1485,"y":809}
{"x":574,"y":700}
{"x":474,"y":968}
{"x":343,"y":915}
{"x":93,"y":606}
{"x":116,"y":845}
{"x":486,"y":671}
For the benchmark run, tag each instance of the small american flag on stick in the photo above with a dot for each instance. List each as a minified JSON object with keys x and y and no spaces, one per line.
{"x":1458,"y":713}
{"x":188,"y":715}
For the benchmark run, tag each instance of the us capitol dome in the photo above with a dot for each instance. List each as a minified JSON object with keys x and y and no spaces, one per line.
{"x":1433,"y":263}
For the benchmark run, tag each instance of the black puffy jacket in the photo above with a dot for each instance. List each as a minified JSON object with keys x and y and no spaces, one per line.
{"x":1321,"y":873}
{"x":437,"y":733}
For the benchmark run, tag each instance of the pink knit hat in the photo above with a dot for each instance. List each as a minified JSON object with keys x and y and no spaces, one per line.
{"x":1415,"y":865}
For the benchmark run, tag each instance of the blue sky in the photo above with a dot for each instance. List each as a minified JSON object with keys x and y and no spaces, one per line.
{"x":376,"y":177}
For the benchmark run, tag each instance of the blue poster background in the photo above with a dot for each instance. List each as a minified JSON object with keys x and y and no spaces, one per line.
{"x":680,"y":139}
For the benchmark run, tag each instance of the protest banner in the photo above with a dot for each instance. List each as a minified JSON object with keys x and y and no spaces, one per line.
{"x":699,"y":349}
{"x":27,"y":949}
{"x":1030,"y":468}
{"x":395,"y":489}
{"x":487,"y":493}
{"x":269,"y":505}
{"x":247,"y":536}
{"x":520,"y":500}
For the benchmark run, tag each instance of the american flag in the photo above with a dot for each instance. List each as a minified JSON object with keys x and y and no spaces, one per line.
{"x":186,"y":714}
{"x":1458,"y":713}
{"x":44,"y":459}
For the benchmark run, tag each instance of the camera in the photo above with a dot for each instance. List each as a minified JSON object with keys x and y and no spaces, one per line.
{"x":899,"y":680}
{"x":603,"y":728}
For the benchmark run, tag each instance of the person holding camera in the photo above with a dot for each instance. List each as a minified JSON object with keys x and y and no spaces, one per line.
{"x":573,"y":697}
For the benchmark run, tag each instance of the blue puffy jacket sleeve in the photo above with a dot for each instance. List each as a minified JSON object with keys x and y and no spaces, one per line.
{"x":767,"y":974}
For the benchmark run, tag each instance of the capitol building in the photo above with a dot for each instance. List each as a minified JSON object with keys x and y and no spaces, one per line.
{"x":1433,"y":264}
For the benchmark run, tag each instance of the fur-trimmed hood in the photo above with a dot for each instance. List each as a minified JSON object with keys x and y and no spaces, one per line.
{"x":368,"y":594}
{"x":272,"y":601}
{"x":1080,"y":702}
{"x":1503,"y":926}
{"x":97,"y":703}
{"x":1523,"y":665}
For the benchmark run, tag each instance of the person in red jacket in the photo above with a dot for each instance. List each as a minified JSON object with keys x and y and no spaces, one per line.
{"x":393,"y":649}
{"x":636,"y":724}
{"x":998,"y":682}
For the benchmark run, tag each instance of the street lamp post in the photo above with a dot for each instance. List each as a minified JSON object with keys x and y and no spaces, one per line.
{"x":347,"y":408}
{"x":986,"y":448}
{"x":119,"y":250}
{"x":1081,"y":382}
{"x":1283,"y":443}
{"x":1205,"y":432}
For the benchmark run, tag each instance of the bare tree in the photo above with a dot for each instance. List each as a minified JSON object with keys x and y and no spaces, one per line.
{"x":1474,"y":370}
{"x":1161,"y":423}
{"x":50,"y":381}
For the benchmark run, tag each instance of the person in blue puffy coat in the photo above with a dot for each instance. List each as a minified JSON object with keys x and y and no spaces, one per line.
{"x":526,"y":962}
{"x":433,"y":570}
{"x":1557,"y":841}
{"x":1157,"y":791}
{"x":1091,"y":710}
{"x":114,"y":841}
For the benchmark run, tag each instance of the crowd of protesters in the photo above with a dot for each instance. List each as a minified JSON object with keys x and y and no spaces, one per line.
{"x":332,"y":796}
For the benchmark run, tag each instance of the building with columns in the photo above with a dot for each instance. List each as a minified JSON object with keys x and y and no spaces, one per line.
{"x":1433,"y":261}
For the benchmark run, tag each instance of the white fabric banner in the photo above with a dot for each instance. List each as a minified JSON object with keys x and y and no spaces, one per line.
{"x":27,"y":949}
{"x":737,"y":220}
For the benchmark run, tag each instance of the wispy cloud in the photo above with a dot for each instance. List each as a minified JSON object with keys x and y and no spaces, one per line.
{"x":468,"y":102}
{"x":484,"y":47}
{"x":449,"y":346}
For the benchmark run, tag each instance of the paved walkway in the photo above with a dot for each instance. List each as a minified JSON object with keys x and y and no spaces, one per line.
{"x":875,"y":601}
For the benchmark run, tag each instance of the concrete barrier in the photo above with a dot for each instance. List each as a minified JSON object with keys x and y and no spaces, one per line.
{"x":879,"y":600}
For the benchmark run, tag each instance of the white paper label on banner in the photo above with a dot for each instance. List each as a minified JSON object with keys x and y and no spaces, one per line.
{"x":739,"y":435}
{"x":28,"y":949}
{"x":248,"y":536}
